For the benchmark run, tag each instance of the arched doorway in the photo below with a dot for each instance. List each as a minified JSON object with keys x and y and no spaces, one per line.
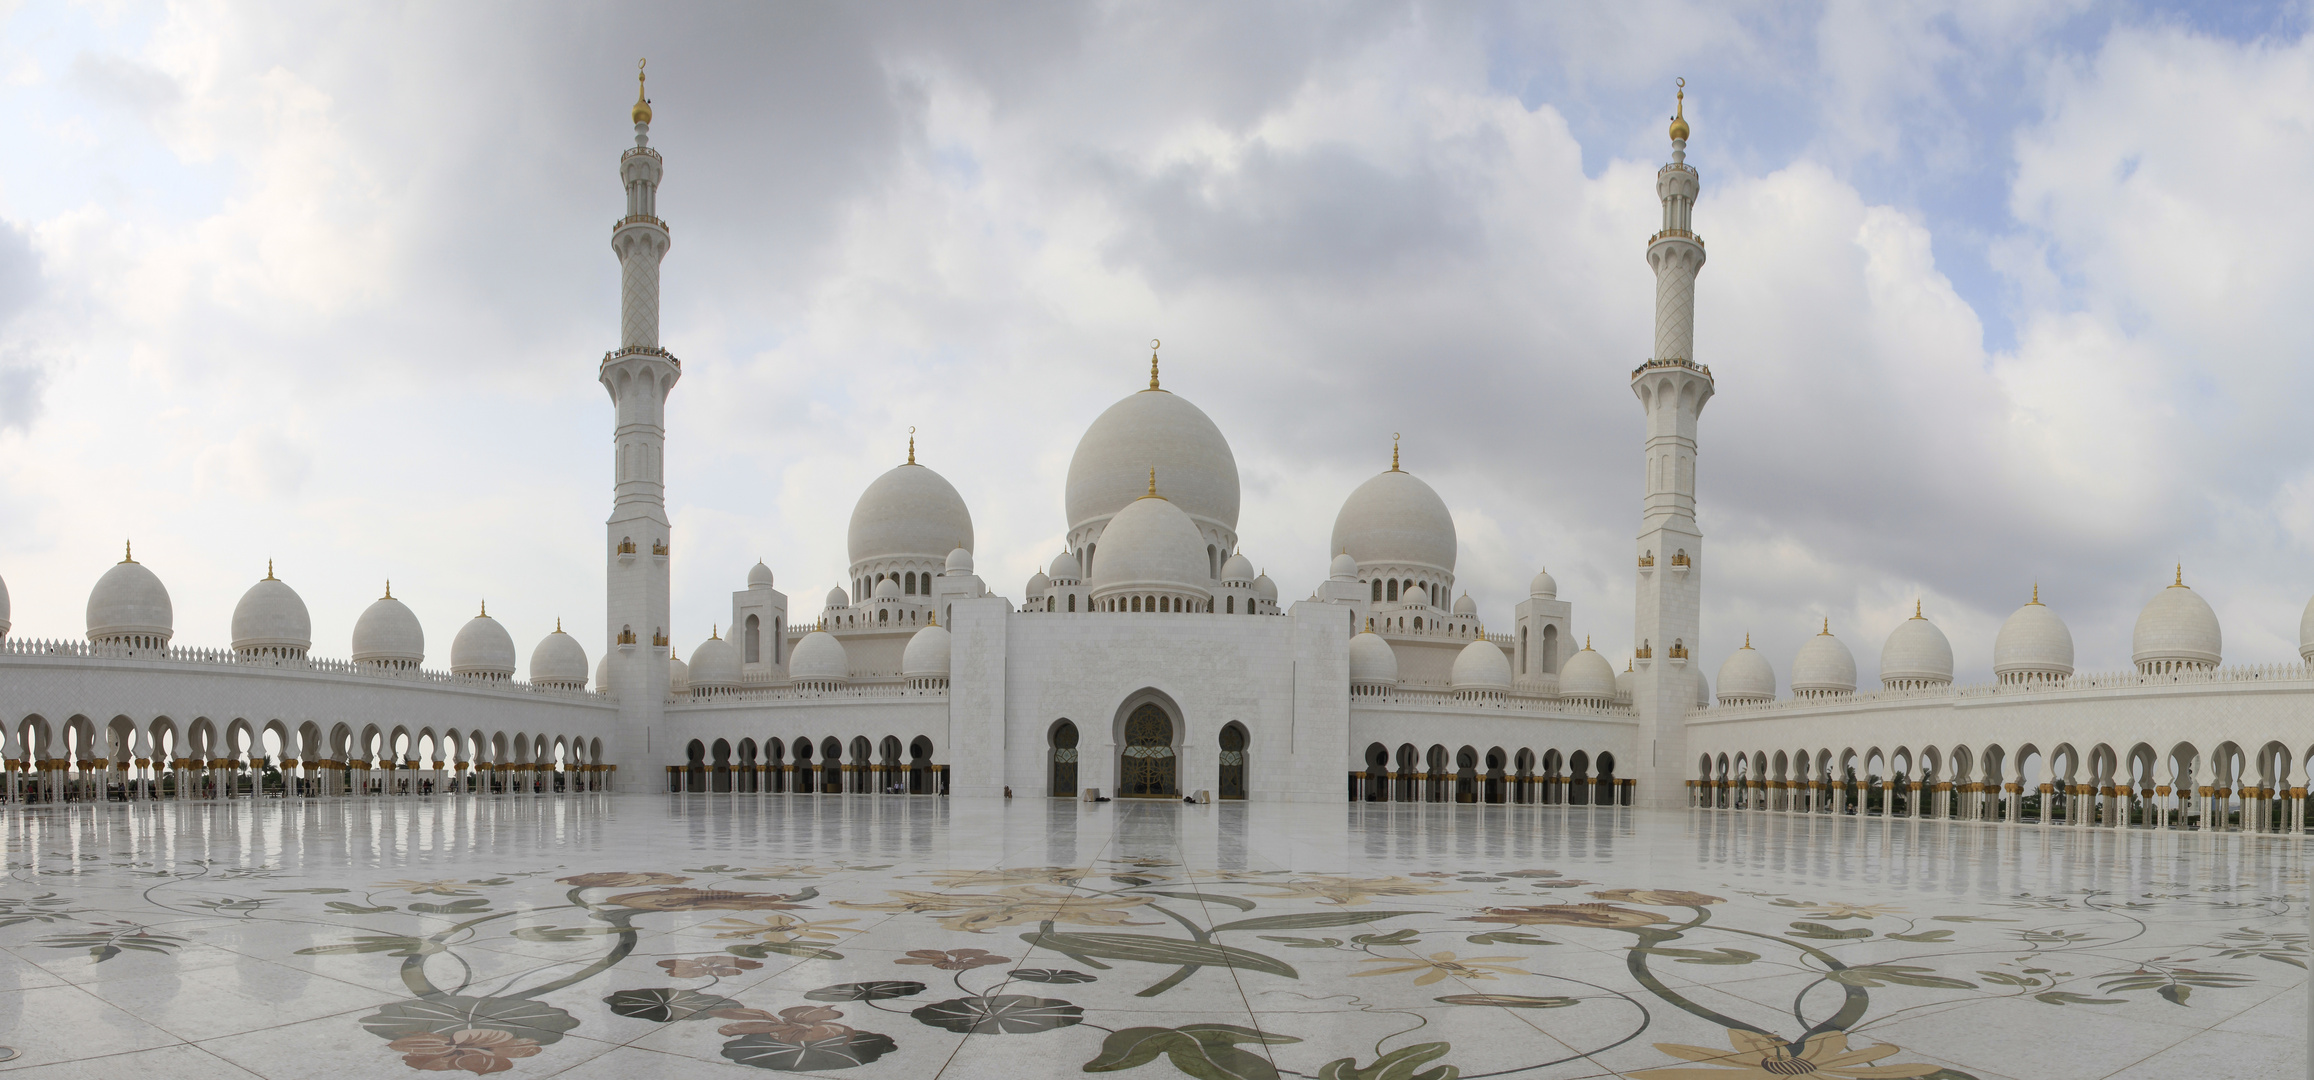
{"x":1064,"y":761}
{"x":1149,"y":769}
{"x":1232,"y":779}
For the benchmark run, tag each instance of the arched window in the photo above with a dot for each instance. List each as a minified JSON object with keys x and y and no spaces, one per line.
{"x":754,"y":640}
{"x":1072,"y":603}
{"x":1231,"y":605}
{"x":1418,"y":622}
{"x":1551,"y":649}
{"x":1377,"y":583}
{"x":1393,"y":591}
{"x":1136,"y":603}
{"x":1064,"y":760}
{"x":1231,"y":782}
{"x":908,"y":583}
{"x":884,"y":615}
{"x":1522,"y":650}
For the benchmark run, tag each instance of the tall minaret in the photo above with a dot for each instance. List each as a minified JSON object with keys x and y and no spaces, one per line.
{"x":1672,"y":388}
{"x":638,"y":375}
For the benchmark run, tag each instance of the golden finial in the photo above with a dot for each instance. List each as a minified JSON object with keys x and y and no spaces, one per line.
{"x":1152,"y":485}
{"x":932,"y":618}
{"x":268,"y":569}
{"x":2036,"y":595}
{"x":2180,"y":582}
{"x":389,"y":588}
{"x":642,"y":113}
{"x":485,"y":610}
{"x":1586,"y":643}
{"x":1679,"y":116}
{"x":1747,"y":639}
{"x":911,"y":449}
{"x":1153,"y":344}
{"x":1393,"y":451}
{"x":715,"y":631}
{"x":1916,"y":607}
{"x":1827,"y":627}
{"x":558,"y":624}
{"x":128,"y":551}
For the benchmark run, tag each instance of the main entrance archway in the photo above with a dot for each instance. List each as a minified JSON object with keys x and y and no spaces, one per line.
{"x":1150,"y":768}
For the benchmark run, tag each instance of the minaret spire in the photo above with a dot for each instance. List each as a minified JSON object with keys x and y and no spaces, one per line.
{"x":1672,"y":389}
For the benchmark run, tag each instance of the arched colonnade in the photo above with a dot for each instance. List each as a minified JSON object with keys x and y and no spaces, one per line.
{"x":1494,"y":775}
{"x":802,"y":765}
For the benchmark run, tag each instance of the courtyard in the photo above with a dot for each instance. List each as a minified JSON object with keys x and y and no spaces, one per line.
{"x":597,"y":935}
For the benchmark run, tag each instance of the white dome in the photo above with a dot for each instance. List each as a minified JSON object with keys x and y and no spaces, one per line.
{"x":1824,"y":666}
{"x":819,"y":656}
{"x":1065,"y":568}
{"x":910,"y":511}
{"x":2033,"y":641}
{"x":837,"y":597}
{"x":1588,"y":676}
{"x":1157,"y":430}
{"x":2305,"y":625}
{"x":1916,"y":652}
{"x":1239,"y":568}
{"x":559,"y":660}
{"x":1747,"y":676}
{"x":1396,"y":519}
{"x":3,"y":607}
{"x":1150,"y":543}
{"x":759,"y":576}
{"x":1372,"y":660}
{"x":1624,"y":680}
{"x":271,"y":615}
{"x":1544,"y":586}
{"x":926,"y":656}
{"x":959,"y":561}
{"x":888,"y":589}
{"x":715,"y":664}
{"x":678,"y":675}
{"x":2176,"y":628}
{"x":1464,"y":605}
{"x":1702,"y":689}
{"x":603,"y":674}
{"x":129,"y":600}
{"x":388,"y":633}
{"x":482,"y":647}
{"x":1345,"y":567}
{"x":1264,"y":588}
{"x":1038,"y":585}
{"x":1481,"y":666}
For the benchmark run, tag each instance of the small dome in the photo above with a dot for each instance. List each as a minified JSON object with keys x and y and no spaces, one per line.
{"x":271,"y":615}
{"x":819,"y":657}
{"x":1916,"y":652}
{"x":959,"y":561}
{"x":888,"y":589}
{"x":759,"y":576}
{"x":1239,"y":568}
{"x":1624,"y":681}
{"x":1747,"y":676}
{"x":715,"y":664}
{"x":602,"y":673}
{"x":1038,"y":585}
{"x":1464,"y":605}
{"x":1372,"y":660}
{"x":387,"y":633}
{"x":837,"y":597}
{"x":1264,"y":588}
{"x":1544,"y":586}
{"x":1481,"y":666}
{"x":1345,"y":567}
{"x":1824,"y":666}
{"x":1587,"y":676}
{"x":559,"y":660}
{"x":1151,"y":543}
{"x":3,"y":607}
{"x":1065,"y":568}
{"x":2305,"y":626}
{"x":910,"y":511}
{"x":926,"y":656}
{"x":1152,"y":429}
{"x":1396,"y":519}
{"x":482,"y":647}
{"x":129,"y":601}
{"x":2176,"y":630}
{"x":678,"y":676}
{"x":2033,"y":642}
{"x":1702,"y":689}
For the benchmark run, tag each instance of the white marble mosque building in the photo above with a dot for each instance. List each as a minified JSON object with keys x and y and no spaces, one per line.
{"x":1151,"y":659}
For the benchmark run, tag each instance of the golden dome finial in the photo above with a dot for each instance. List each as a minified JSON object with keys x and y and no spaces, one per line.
{"x":268,"y":569}
{"x":389,"y":588}
{"x":128,"y":551}
{"x":485,"y":610}
{"x":1393,"y":451}
{"x":1747,"y":639}
{"x":1152,"y":485}
{"x":642,"y":112}
{"x":911,"y":449}
{"x":1586,"y":643}
{"x":2036,"y":595}
{"x":715,"y":631}
{"x":1916,"y":607}
{"x":1827,"y":627}
{"x":2180,"y":582}
{"x":1153,"y":344}
{"x":932,"y":618}
{"x":1679,"y":115}
{"x":558,"y":624}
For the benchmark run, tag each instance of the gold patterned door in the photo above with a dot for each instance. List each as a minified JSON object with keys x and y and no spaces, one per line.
{"x":1149,"y":765}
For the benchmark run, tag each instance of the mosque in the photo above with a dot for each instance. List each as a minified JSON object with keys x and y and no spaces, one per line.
{"x":1149,"y":658}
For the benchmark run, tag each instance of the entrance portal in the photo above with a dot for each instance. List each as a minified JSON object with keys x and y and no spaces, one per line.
{"x":1150,"y":767}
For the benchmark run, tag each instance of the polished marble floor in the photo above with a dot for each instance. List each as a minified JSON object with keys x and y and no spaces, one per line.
{"x":714,"y":935}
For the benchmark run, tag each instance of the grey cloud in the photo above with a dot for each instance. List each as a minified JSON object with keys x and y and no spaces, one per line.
{"x":123,"y":82}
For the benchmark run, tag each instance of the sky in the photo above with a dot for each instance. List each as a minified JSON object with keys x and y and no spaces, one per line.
{"x":2000,"y":293}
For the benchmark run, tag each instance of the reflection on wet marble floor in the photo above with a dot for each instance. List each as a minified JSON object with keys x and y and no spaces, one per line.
{"x":857,"y":936}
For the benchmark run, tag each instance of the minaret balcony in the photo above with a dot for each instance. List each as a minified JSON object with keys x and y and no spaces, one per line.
{"x":1676,"y":234}
{"x":641,"y":350}
{"x":647,"y":219}
{"x":1674,"y":362}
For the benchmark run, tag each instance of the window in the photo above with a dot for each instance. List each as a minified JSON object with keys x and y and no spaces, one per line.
{"x":1072,"y":603}
{"x":754,"y":640}
{"x":1393,"y":592}
{"x":1231,"y":604}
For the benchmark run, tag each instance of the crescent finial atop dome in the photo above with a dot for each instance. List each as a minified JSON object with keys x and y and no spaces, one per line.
{"x":642,"y":110}
{"x":1679,"y":115}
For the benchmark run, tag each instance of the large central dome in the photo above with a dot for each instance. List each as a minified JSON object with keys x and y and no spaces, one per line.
{"x":1153,"y":429}
{"x":909,"y":511}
